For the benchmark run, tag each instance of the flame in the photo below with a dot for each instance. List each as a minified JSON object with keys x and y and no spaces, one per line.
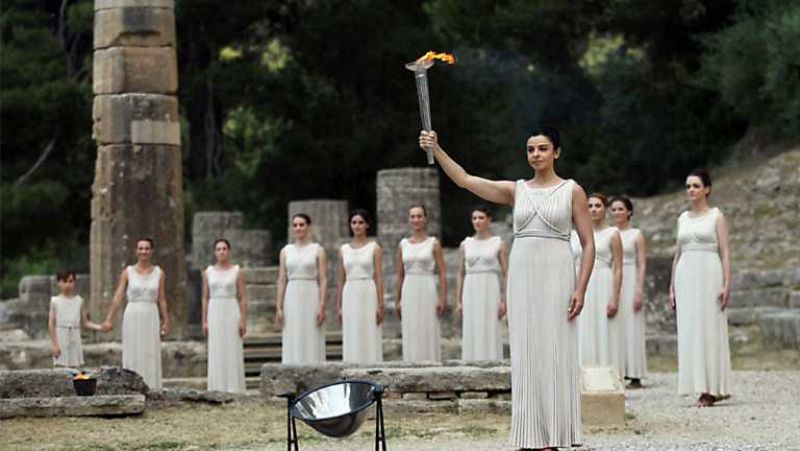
{"x":82,"y":376}
{"x":431,"y":55}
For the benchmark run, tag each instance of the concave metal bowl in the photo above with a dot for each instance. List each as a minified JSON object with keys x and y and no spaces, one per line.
{"x":337,"y":409}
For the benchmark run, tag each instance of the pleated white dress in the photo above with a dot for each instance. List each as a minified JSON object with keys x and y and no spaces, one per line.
{"x":68,"y":330}
{"x":303,"y":340}
{"x":361,"y":335}
{"x":545,"y":374}
{"x":602,"y":338}
{"x":419,"y":324}
{"x":141,"y":332}
{"x":577,"y":251}
{"x":704,"y":362}
{"x":225,"y":353}
{"x":634,"y":322}
{"x":480,"y":297}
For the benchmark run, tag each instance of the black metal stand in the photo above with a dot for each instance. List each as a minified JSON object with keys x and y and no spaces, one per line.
{"x":291,"y":425}
{"x":380,"y":433}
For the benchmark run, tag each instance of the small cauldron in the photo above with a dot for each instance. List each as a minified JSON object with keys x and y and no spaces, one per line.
{"x":84,"y":384}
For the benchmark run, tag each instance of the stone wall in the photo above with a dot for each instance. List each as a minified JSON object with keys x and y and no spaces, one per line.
{"x":249,"y":247}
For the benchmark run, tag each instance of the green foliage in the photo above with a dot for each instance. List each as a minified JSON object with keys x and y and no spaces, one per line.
{"x":755,"y":65}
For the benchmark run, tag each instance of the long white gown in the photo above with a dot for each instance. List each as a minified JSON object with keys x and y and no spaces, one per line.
{"x":634,"y":321}
{"x":225,"y":353}
{"x":68,"y":330}
{"x":545,"y":374}
{"x":480,"y":297}
{"x":704,"y":362}
{"x":419,"y":324}
{"x":361,"y":334}
{"x":602,"y":340}
{"x":141,"y":332}
{"x":303,"y":340}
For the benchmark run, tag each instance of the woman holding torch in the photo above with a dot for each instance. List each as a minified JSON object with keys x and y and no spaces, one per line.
{"x":543,"y":297}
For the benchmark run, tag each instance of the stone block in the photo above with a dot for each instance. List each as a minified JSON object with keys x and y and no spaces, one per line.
{"x":267,"y":275}
{"x":135,"y":69}
{"x":748,"y":280}
{"x":262,"y":293}
{"x":762,"y":297}
{"x":329,"y":220}
{"x":73,"y":406}
{"x":442,"y":396}
{"x":794,"y":299}
{"x":473,"y":395}
{"x":414,"y":396}
{"x":782,"y":328}
{"x":745,"y":316}
{"x":136,"y":118}
{"x":134,"y":26}
{"x":483,"y":406}
{"x":250,"y":247}
{"x":35,"y":286}
{"x":602,"y":398}
{"x":434,"y":379}
{"x":662,"y":344}
{"x":100,"y":5}
{"x":58,"y":383}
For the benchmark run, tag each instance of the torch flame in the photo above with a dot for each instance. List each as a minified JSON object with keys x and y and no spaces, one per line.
{"x":82,"y":376}
{"x":431,"y":55}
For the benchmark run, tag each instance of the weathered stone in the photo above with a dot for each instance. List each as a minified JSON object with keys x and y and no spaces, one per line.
{"x":473,"y":395}
{"x":745,"y":316}
{"x":414,"y":396}
{"x":58,"y":382}
{"x":794,"y":299}
{"x":109,"y":4}
{"x":602,"y":398}
{"x":249,"y":248}
{"x":73,"y":406}
{"x":782,"y":328}
{"x":252,"y":247}
{"x":436,"y":379}
{"x":129,"y":180}
{"x":477,"y":406}
{"x":134,"y":26}
{"x":442,"y":396}
{"x":136,"y":118}
{"x":763,"y":297}
{"x":263,"y":293}
{"x":328,"y":220}
{"x":261,"y":275}
{"x":748,"y":280}
{"x":662,"y":344}
{"x":135,"y":69}
{"x":183,"y":395}
{"x":400,"y":408}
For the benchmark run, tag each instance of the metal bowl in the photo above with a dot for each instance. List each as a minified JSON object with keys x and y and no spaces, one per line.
{"x":337,"y":409}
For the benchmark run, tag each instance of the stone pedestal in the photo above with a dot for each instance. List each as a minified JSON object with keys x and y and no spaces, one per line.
{"x":602,"y":398}
{"x":138,"y":184}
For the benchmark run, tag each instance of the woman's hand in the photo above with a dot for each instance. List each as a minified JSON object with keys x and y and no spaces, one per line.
{"x":724,"y":297}
{"x":611,"y":309}
{"x":575,"y":305}
{"x":56,"y":351}
{"x":460,"y":310}
{"x":398,"y":309}
{"x":441,"y":309}
{"x":501,"y":311}
{"x":279,"y":317}
{"x":379,"y":315}
{"x":205,"y":329}
{"x":242,"y":328}
{"x":164,"y":328}
{"x":106,"y":326}
{"x":428,"y":140}
{"x":638,"y":301}
{"x":672,"y":300}
{"x":320,"y":316}
{"x":339,"y":315}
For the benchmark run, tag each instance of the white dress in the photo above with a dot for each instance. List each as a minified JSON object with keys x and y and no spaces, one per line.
{"x":141,"y":332}
{"x":419,"y":324}
{"x":577,"y":251}
{"x":68,"y":330}
{"x":545,"y":374}
{"x":480,"y":296}
{"x":361,"y":334}
{"x":634,"y":321}
{"x":303,"y":340}
{"x":225,"y":353}
{"x":601,"y":337}
{"x":704,"y":362}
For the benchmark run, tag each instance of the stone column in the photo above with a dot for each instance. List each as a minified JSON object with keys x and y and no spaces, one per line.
{"x":396,"y":191}
{"x":138,"y":185}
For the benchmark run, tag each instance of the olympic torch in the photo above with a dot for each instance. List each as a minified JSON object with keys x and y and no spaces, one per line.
{"x":420,"y":68}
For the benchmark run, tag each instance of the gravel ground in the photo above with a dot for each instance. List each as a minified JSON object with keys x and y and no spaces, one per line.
{"x":762,"y":415}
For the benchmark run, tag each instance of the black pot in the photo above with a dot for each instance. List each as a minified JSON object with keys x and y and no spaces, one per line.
{"x":85,"y":387}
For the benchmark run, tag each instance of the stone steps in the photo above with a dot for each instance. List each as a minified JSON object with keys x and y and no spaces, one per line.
{"x":781,"y":328}
{"x":73,"y":406}
{"x":259,"y":350}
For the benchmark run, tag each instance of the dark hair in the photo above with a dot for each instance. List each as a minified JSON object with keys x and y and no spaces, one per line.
{"x":420,"y":206}
{"x":222,"y":240}
{"x":145,"y":238}
{"x":483,"y":209}
{"x":302,"y":216}
{"x":704,"y":177}
{"x":64,"y":274}
{"x":600,"y":196}
{"x":360,"y":212}
{"x":626,"y":201}
{"x":550,"y":132}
